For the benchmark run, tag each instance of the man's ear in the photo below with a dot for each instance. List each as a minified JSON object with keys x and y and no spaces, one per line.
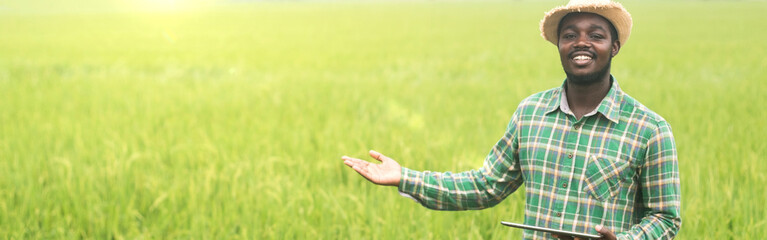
{"x":616,"y":48}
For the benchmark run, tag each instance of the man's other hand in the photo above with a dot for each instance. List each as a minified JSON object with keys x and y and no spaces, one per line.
{"x":606,"y":234}
{"x":387,"y":173}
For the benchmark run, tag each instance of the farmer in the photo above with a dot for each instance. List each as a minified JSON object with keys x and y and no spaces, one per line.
{"x":592,"y":159}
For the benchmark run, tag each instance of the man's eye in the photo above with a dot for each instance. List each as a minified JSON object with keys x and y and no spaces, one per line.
{"x":569,"y":36}
{"x":597,"y":36}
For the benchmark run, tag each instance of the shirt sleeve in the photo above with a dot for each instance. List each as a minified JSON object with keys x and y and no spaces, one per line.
{"x":476,"y":189}
{"x":661,"y":193}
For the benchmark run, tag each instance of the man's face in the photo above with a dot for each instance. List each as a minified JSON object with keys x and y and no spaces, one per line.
{"x":586,"y":47}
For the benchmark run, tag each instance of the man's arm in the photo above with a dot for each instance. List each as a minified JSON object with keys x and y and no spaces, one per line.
{"x":661,"y":192}
{"x":499,"y":176}
{"x":476,"y":189}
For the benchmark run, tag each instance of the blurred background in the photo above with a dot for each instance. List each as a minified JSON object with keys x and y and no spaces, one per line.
{"x":227,"y":119}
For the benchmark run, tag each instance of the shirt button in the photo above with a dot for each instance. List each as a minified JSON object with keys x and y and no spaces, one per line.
{"x":564,"y":185}
{"x":559,"y":214}
{"x":577,"y":126}
{"x":570,"y":155}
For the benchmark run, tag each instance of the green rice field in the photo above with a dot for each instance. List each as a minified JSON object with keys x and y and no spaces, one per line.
{"x":227,"y":120}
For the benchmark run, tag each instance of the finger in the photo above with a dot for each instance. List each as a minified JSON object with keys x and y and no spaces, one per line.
{"x":351,"y":159}
{"x":606,"y":233}
{"x":378,"y":156}
{"x":351,"y":162}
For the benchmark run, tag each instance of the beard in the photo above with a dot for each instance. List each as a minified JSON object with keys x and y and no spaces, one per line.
{"x":590,"y":78}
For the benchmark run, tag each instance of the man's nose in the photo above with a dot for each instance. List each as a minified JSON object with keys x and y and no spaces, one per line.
{"x":582,"y":42}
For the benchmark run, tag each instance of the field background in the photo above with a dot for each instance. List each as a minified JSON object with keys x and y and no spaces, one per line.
{"x":227,"y":120}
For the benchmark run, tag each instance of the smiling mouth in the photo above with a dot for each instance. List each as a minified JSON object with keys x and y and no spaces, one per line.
{"x":581,"y":59}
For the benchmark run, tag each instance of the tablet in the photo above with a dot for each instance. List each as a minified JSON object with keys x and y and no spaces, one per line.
{"x":551,"y":230}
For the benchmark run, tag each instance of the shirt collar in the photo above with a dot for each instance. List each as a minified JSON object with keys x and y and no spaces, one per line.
{"x":609,"y":107}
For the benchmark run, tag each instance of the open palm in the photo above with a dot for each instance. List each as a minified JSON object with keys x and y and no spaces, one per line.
{"x":386,"y":173}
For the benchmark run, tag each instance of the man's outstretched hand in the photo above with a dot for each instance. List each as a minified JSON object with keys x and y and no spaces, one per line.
{"x":387,"y":173}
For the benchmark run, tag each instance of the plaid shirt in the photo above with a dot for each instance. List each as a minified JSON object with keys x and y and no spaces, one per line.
{"x":616,"y":167}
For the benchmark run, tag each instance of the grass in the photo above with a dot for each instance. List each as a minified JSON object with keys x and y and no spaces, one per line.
{"x":229,"y":121}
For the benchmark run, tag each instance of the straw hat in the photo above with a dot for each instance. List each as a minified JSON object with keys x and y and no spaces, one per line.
{"x":612,"y":11}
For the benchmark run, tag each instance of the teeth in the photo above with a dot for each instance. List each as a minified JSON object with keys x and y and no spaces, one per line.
{"x":582,"y":57}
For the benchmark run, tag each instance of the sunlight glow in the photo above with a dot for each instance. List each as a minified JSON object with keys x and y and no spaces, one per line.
{"x":169,"y":5}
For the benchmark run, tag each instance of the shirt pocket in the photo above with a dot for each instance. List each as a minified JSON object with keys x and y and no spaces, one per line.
{"x":603,"y":177}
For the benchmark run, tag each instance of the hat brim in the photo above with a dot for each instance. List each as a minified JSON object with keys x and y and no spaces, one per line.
{"x":613,"y":12}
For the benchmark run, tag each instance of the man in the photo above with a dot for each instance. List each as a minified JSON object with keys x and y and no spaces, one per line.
{"x":592,"y":159}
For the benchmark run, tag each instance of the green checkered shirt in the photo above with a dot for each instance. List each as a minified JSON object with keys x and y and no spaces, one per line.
{"x":616,"y":167}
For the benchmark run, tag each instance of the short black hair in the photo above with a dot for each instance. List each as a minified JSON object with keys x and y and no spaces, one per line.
{"x":613,"y":32}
